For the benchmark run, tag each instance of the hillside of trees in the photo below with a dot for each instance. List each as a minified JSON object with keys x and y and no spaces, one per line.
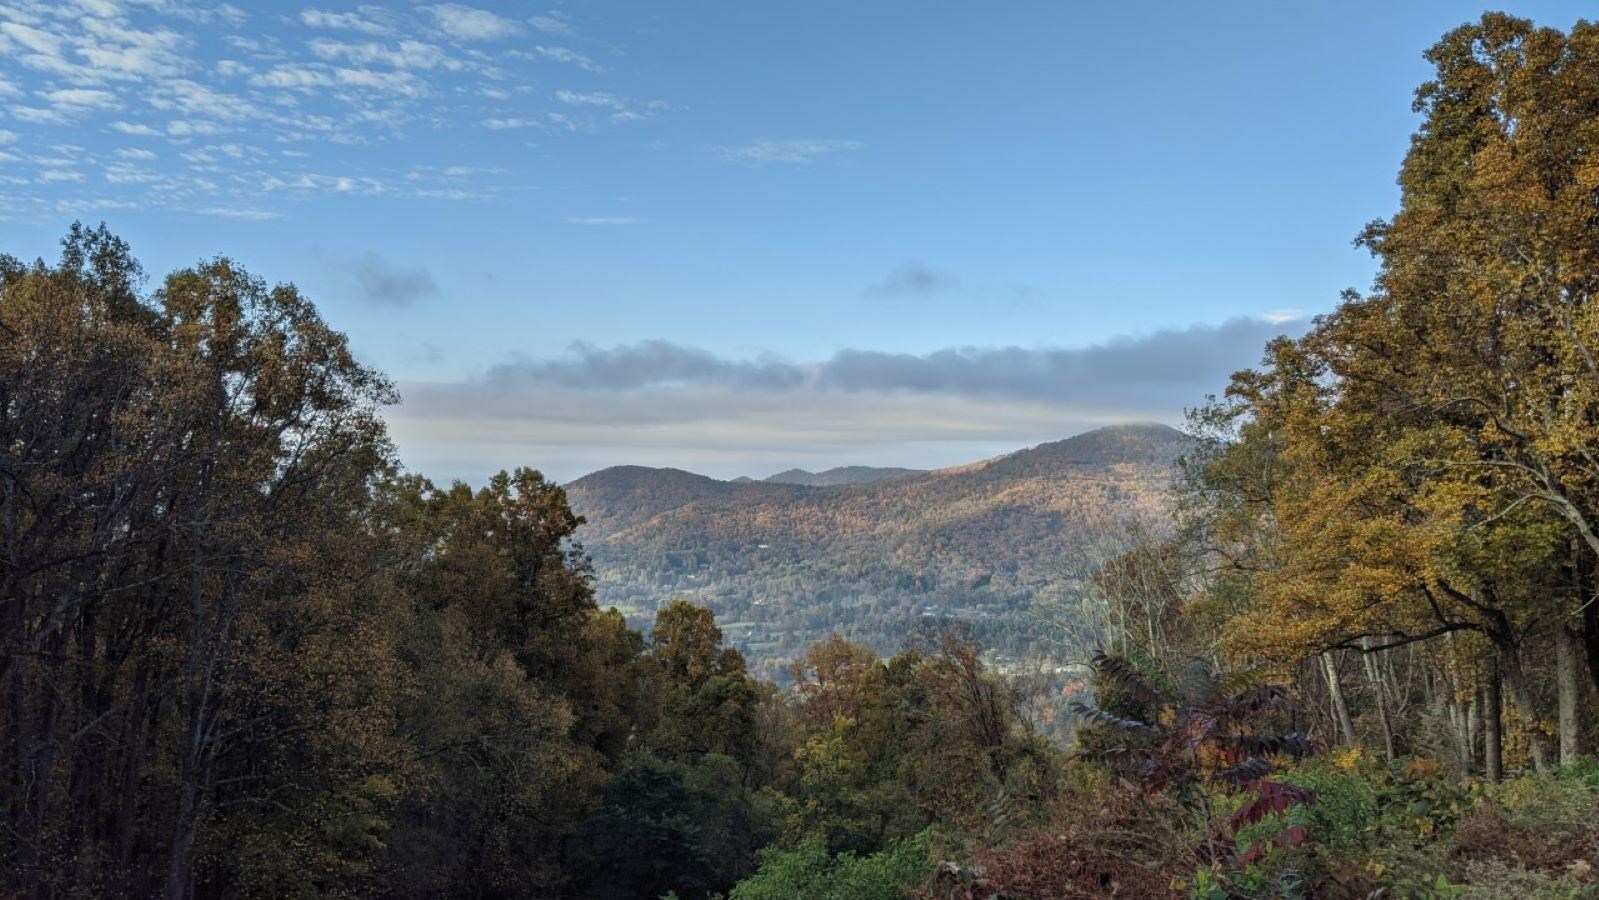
{"x":245,"y":654}
{"x":1002,"y":544}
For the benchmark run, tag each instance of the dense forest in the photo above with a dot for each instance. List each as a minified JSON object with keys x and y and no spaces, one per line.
{"x":247,"y":654}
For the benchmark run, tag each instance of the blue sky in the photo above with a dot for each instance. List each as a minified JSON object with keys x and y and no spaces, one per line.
{"x":736,"y":237}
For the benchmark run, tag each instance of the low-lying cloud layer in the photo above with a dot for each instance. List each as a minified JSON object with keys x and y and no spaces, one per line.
{"x":660,"y":403}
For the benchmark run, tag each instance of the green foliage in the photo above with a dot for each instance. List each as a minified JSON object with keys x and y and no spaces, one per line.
{"x":809,"y":872}
{"x":922,"y":738}
{"x":688,"y":827}
{"x":1345,"y":813}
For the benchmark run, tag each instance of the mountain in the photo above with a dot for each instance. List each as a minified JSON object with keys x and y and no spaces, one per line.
{"x":783,"y":564}
{"x":838,"y":476}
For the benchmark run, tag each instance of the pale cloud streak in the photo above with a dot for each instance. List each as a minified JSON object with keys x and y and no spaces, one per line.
{"x":799,"y":151}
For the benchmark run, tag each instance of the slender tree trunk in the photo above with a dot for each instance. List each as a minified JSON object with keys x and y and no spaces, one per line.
{"x":1335,"y":687}
{"x":1374,"y":678}
{"x":1473,"y":717}
{"x":1492,"y":727}
{"x":1462,"y":712}
{"x":1569,"y":687}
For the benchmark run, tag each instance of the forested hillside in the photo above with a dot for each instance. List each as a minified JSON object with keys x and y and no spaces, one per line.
{"x":785,"y":564}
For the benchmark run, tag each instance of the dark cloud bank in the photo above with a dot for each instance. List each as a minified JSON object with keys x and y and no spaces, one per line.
{"x":657,"y":402}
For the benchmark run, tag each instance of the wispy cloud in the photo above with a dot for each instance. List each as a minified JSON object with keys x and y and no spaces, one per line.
{"x":572,"y":57}
{"x":402,"y":55}
{"x":367,"y":20}
{"x":81,"y":98}
{"x":591,"y":98}
{"x":554,"y":23}
{"x":801,"y":150}
{"x":237,"y":212}
{"x":134,"y":128}
{"x":466,"y":23}
{"x":601,"y":220}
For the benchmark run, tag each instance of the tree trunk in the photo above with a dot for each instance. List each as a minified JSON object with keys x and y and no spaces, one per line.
{"x":1462,"y":712}
{"x":1335,"y":687}
{"x":1473,"y":716}
{"x":1569,"y":688}
{"x":1374,"y":678}
{"x":1516,"y":682}
{"x":1492,"y":727}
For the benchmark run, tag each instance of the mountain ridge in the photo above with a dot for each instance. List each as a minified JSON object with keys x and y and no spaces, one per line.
{"x":784,"y":564}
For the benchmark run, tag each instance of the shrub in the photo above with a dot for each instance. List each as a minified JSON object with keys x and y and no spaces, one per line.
{"x":807,"y":872}
{"x":1538,"y":822}
{"x":1101,"y":842}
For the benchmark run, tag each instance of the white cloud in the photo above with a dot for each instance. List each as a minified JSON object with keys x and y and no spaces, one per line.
{"x":82,"y":98}
{"x":103,"y":8}
{"x":337,"y":184}
{"x":38,"y":115}
{"x":571,"y":57}
{"x":7,"y":137}
{"x":802,"y":151}
{"x":293,"y":77}
{"x":553,"y":23}
{"x":366,"y":21}
{"x":507,"y":124}
{"x":404,"y":55}
{"x":591,"y":98}
{"x":39,"y":41}
{"x":126,"y":173}
{"x":395,"y":82}
{"x":189,"y":128}
{"x":135,"y":153}
{"x":193,"y":98}
{"x":134,"y":128}
{"x":113,"y":49}
{"x":468,"y":24}
{"x":236,"y":212}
